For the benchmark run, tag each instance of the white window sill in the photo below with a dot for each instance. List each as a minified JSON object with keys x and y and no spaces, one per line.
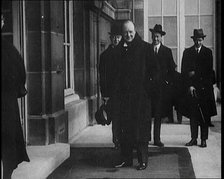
{"x":71,"y":98}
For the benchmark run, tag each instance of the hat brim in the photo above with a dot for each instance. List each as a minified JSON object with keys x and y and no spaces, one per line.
{"x":202,"y":36}
{"x":161,"y":32}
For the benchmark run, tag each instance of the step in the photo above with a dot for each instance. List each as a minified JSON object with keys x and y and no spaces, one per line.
{"x":43,"y":161}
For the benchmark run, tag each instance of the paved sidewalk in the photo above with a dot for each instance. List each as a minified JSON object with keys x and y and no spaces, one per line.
{"x":206,"y":161}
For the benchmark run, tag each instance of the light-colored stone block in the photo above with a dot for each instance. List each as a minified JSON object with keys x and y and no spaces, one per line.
{"x":43,"y":161}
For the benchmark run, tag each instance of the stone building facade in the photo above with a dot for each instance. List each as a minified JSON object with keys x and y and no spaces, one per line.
{"x":61,"y":41}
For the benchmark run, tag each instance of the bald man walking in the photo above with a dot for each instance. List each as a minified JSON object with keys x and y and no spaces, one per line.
{"x":134,"y":57}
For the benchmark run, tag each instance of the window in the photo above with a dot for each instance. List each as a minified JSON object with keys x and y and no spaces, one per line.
{"x":68,"y":45}
{"x":164,"y":12}
{"x":200,"y":15}
{"x":178,"y":19}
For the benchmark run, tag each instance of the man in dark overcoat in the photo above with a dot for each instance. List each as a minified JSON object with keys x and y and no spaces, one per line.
{"x":13,"y":77}
{"x":197,"y":69}
{"x":133,"y":54}
{"x":162,"y":80}
{"x":108,"y":70}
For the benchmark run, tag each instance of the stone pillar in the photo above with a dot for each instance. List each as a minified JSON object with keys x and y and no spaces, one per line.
{"x":47,"y":119}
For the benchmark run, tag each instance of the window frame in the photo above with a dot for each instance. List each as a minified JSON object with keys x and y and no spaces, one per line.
{"x":69,"y":91}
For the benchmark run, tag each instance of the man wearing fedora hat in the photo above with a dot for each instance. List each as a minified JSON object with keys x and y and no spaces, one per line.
{"x":165,"y":67}
{"x":107,"y":72}
{"x":197,"y":71}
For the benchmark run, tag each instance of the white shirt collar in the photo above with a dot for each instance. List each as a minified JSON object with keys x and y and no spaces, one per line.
{"x":125,"y":44}
{"x":157,"y":46}
{"x":199,"y":49}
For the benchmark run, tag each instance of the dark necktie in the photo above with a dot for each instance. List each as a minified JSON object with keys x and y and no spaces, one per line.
{"x":156,"y":50}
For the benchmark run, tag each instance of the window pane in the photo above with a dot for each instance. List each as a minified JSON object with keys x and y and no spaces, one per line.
{"x":206,"y":23}
{"x":67,"y":19}
{"x":191,"y":23}
{"x":206,"y":6}
{"x":139,"y":4}
{"x":169,"y":7}
{"x":154,"y":7}
{"x":191,"y":7}
{"x":139,"y":22}
{"x":170,"y":27}
{"x":68,"y":69}
{"x":67,"y":45}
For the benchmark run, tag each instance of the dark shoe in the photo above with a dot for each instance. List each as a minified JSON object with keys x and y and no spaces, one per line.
{"x":141,"y":166}
{"x":159,"y":144}
{"x":192,"y":142}
{"x":123,"y":164}
{"x":203,"y":143}
{"x":211,"y":125}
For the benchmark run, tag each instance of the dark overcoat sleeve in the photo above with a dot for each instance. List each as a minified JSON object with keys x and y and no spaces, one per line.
{"x":171,"y":65}
{"x":102,"y":71}
{"x":186,"y":67}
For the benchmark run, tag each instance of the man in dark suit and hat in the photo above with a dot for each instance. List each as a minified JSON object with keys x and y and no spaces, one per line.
{"x":197,"y":69}
{"x":108,"y":72}
{"x":165,"y":67}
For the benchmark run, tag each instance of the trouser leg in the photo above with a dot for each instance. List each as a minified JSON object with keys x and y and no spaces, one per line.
{"x":157,"y":116}
{"x":116,"y":126}
{"x":204,"y":131}
{"x":150,"y":129}
{"x":127,"y":151}
{"x":142,"y":152}
{"x":170,"y":115}
{"x":157,"y":128}
{"x":194,"y":128}
{"x":126,"y":142}
{"x":115,"y":131}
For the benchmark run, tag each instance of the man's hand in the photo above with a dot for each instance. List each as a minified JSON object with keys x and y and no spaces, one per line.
{"x":192,"y":90}
{"x":191,"y":73}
